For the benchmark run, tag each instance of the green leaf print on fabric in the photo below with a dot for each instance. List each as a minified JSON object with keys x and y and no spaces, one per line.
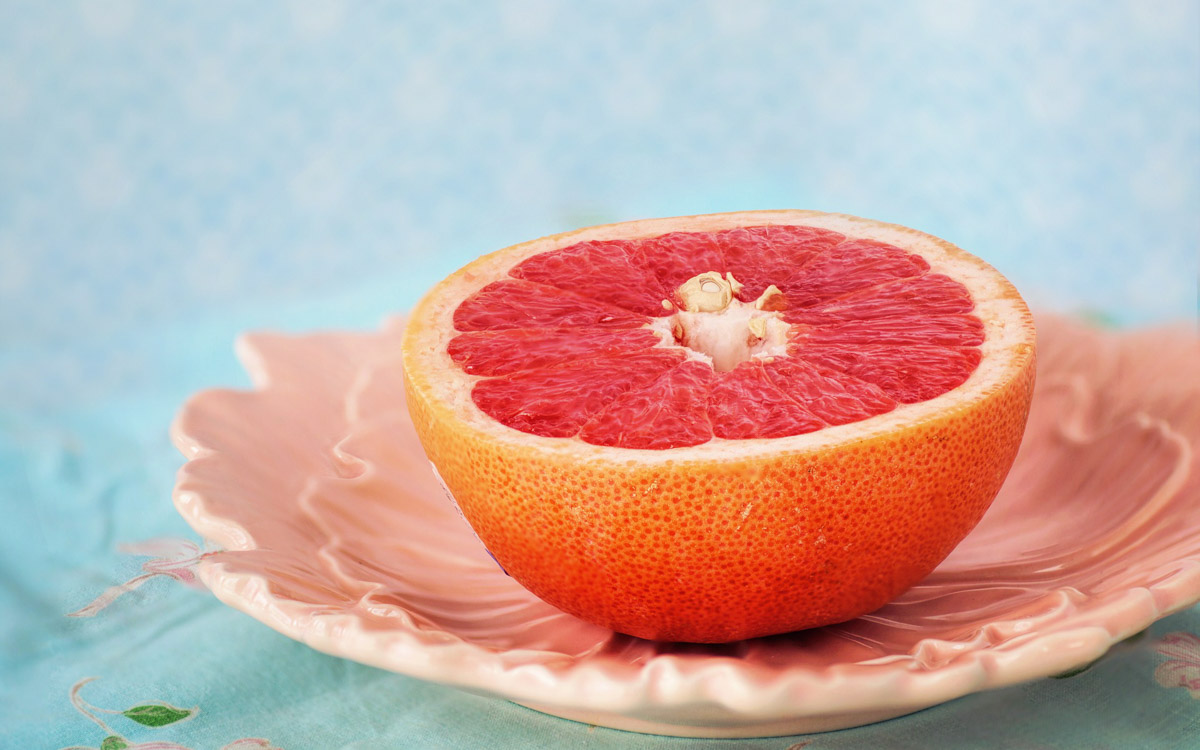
{"x":153,"y":715}
{"x":156,"y":715}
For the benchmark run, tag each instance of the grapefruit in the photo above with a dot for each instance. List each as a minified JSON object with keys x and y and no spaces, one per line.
{"x":711,"y":428}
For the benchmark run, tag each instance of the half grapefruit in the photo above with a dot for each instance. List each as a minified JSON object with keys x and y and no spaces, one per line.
{"x":717,"y":427}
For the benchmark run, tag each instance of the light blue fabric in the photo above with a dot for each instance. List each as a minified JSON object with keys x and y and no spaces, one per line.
{"x":78,"y":484}
{"x":172,"y":174}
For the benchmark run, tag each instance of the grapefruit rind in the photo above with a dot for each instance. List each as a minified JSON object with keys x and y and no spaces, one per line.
{"x":731,"y":538}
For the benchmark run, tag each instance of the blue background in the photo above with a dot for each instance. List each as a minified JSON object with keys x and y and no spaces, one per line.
{"x":172,"y":174}
{"x":164,"y":163}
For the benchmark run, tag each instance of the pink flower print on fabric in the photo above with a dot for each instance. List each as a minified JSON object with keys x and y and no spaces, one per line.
{"x":174,"y":558}
{"x":1182,"y":668}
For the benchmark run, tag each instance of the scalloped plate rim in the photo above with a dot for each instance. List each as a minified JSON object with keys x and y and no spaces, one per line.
{"x":564,"y":685}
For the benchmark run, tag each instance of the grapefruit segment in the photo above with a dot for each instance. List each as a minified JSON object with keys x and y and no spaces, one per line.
{"x":849,"y":266}
{"x":509,"y":350}
{"x":667,"y":413}
{"x":718,"y":427}
{"x":918,"y":296}
{"x":746,"y":403}
{"x":909,"y":374}
{"x":678,"y":256}
{"x":556,"y":401}
{"x":761,"y":256}
{"x":939,"y":330}
{"x":606,"y":271}
{"x":835,"y":397}
{"x":509,"y":303}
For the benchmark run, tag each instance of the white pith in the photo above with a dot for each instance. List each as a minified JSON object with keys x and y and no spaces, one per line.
{"x":724,"y":338}
{"x":1008,"y":327}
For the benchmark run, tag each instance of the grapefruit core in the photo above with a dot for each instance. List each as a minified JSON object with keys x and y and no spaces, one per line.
{"x":711,"y":428}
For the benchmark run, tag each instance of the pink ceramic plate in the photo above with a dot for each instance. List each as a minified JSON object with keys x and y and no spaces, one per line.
{"x":336,"y":533}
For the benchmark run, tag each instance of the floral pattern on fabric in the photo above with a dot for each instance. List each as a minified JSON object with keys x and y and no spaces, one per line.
{"x":153,"y":714}
{"x":1182,"y":668}
{"x":177,"y":559}
{"x":174,"y":558}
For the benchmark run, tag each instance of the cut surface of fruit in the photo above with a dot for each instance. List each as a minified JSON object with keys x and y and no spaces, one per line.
{"x":715,"y":427}
{"x":731,"y":301}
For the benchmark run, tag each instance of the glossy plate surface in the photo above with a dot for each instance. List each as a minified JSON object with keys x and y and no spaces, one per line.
{"x":336,"y":532}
